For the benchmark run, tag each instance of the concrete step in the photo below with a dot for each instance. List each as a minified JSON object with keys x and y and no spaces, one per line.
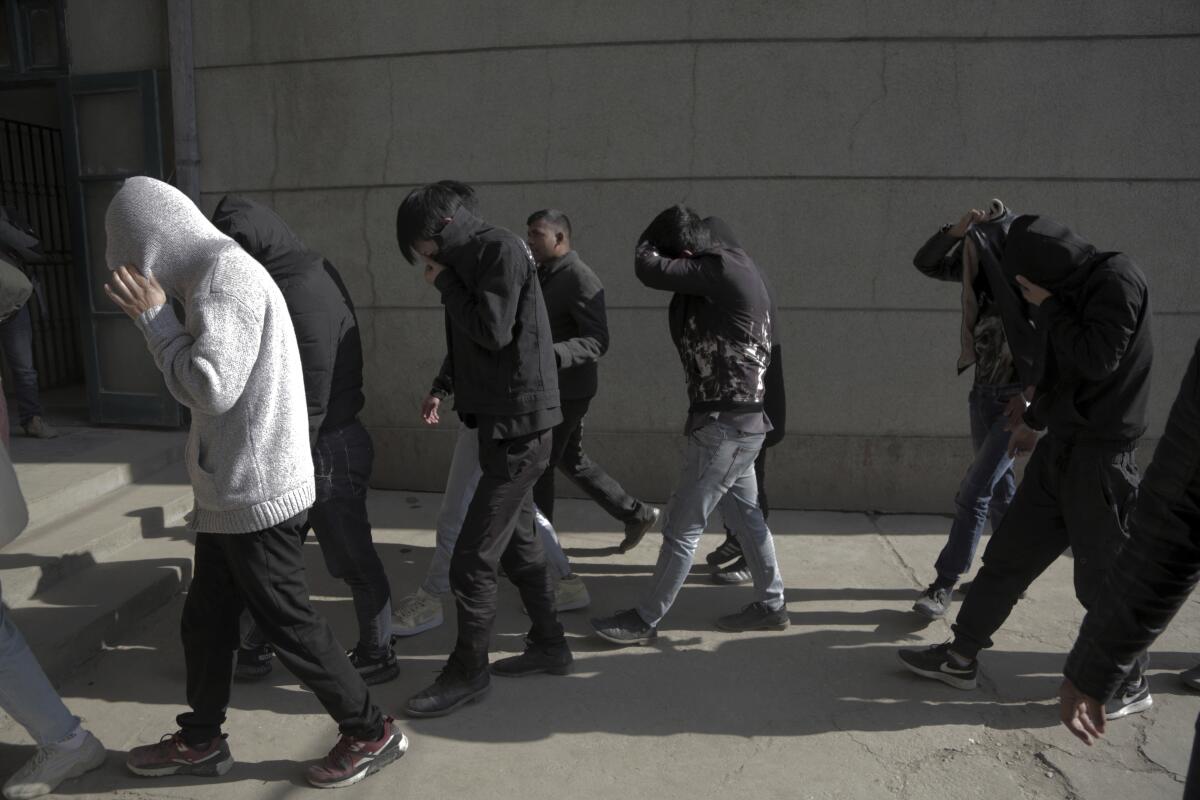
{"x":54,"y":551}
{"x":76,"y":619}
{"x":62,"y":476}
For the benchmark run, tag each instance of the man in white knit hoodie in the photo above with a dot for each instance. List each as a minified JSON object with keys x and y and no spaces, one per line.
{"x":236,"y":366}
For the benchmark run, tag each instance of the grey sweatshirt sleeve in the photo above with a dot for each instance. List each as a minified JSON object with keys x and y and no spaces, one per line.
{"x":207,"y":364}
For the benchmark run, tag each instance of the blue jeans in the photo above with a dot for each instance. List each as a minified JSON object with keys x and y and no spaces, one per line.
{"x":718,"y":473}
{"x":989,"y":485}
{"x":16,"y":340}
{"x":25,"y":691}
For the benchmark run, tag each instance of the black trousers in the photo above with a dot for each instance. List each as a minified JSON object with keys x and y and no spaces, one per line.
{"x":1076,"y":496}
{"x":499,"y":529}
{"x":566,"y":453}
{"x":264,"y":573}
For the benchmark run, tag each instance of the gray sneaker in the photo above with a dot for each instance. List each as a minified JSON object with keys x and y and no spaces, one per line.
{"x":934,"y":602}
{"x":1130,"y":699}
{"x":51,"y":765}
{"x":38,"y":428}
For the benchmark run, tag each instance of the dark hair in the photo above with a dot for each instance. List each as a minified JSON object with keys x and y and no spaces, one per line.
{"x":676,"y":229}
{"x":465,"y":191}
{"x":553,"y":217}
{"x":422,"y":215}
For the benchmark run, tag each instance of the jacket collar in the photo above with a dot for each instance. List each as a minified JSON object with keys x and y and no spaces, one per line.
{"x":457,"y":233}
{"x":554,"y":265}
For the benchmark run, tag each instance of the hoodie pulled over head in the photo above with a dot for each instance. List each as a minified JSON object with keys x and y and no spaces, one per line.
{"x":1095,"y":371}
{"x":234,"y":364}
{"x":320,"y":307}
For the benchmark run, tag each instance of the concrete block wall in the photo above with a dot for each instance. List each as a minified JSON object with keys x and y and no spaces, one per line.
{"x":833,"y":137}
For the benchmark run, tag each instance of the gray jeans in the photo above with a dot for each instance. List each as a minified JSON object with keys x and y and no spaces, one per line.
{"x":718,"y":473}
{"x":460,"y":488}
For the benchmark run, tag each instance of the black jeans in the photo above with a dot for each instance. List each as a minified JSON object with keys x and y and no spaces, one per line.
{"x":342,"y":461}
{"x":1072,"y":495}
{"x":567,"y":454}
{"x":498,"y":529}
{"x":263,"y":572}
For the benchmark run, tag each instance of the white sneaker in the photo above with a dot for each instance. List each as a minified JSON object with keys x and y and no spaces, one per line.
{"x":52,"y":765}
{"x":417,"y":613}
{"x":571,"y":594}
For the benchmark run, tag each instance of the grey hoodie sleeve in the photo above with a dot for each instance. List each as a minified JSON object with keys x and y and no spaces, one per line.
{"x":207,"y":364}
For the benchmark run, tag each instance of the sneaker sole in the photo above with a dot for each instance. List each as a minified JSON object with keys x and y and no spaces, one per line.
{"x":775,"y":626}
{"x":379,"y":762}
{"x":471,"y":698}
{"x":721,"y":579}
{"x":627,"y":642}
{"x":966,"y":684}
{"x":1133,"y":708}
{"x":247,"y":675}
{"x":206,"y":769}
{"x":401,"y":633}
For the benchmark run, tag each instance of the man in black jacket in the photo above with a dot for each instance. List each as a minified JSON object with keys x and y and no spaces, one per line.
{"x":1080,"y":483}
{"x":727,"y":563}
{"x":331,"y":357}
{"x":506,"y":386}
{"x":720,"y":319}
{"x":1160,"y":566}
{"x":579,"y":324}
{"x":999,"y":341}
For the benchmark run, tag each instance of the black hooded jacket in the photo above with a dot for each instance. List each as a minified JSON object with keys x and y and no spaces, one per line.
{"x":500,"y":349}
{"x":775,"y":393}
{"x":320,"y":307}
{"x":1095,"y":370}
{"x":941,"y":257}
{"x":720,"y":320}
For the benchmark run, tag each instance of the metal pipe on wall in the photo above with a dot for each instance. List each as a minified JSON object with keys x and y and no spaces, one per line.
{"x":183,"y":98}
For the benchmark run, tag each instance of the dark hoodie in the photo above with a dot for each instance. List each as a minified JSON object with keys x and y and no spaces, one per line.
{"x":1095,"y":370}
{"x":497,"y":330}
{"x":320,"y":307}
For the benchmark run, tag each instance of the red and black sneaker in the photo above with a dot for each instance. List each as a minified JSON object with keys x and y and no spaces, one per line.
{"x":352,"y":759}
{"x":173,"y":756}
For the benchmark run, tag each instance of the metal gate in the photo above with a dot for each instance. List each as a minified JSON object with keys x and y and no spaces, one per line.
{"x":32,"y":181}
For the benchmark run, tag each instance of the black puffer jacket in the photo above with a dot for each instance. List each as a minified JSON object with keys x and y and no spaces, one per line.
{"x":501,"y":353}
{"x":721,"y":322}
{"x":1160,"y":564}
{"x":320,"y":307}
{"x":1095,"y":375}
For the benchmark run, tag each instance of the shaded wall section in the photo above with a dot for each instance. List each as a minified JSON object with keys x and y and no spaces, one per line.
{"x":833,"y":138}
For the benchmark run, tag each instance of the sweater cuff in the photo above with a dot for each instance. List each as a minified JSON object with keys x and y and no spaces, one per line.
{"x":158,"y":322}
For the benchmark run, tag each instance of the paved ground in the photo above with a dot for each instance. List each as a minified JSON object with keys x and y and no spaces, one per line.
{"x":822,"y":710}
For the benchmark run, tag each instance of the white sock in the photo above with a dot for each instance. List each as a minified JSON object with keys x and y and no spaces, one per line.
{"x":74,"y":740}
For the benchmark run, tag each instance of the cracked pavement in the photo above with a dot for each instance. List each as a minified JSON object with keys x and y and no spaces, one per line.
{"x":822,"y":710}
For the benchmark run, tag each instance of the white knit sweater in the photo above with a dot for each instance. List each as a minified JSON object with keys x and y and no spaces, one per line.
{"x":235,"y":363}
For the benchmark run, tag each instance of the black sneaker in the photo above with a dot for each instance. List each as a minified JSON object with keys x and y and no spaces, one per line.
{"x":755,"y":617}
{"x":253,"y":663}
{"x":735,"y":573}
{"x":934,"y":602}
{"x":934,"y":662}
{"x":727,"y":551}
{"x":450,"y":691}
{"x":556,"y":661}
{"x":625,"y":627}
{"x":1130,"y":699}
{"x":375,"y":670}
{"x":636,"y":530}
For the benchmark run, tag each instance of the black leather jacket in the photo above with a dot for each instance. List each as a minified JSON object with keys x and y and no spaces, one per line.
{"x":1159,"y":565}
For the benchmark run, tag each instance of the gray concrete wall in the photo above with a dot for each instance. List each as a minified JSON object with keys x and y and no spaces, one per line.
{"x":833,"y":138}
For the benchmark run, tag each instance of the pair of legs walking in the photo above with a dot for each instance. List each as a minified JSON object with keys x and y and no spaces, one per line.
{"x":263,"y":572}
{"x":16,"y":340}
{"x":1075,"y":495}
{"x":342,"y":462}
{"x":718,"y":473}
{"x":423,"y":610}
{"x":986,"y":492}
{"x":498,"y":530}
